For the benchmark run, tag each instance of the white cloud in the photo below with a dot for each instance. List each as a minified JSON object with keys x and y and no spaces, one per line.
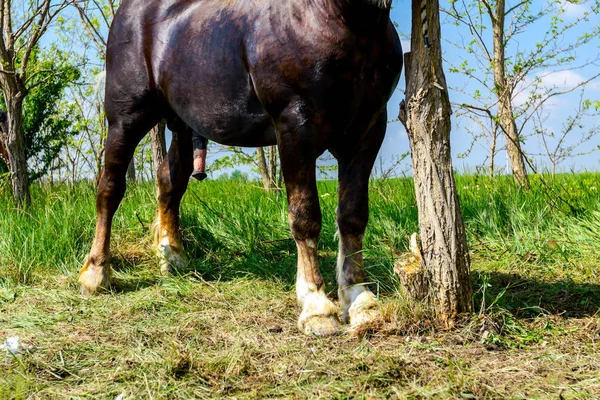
{"x":573,"y":10}
{"x":566,"y":80}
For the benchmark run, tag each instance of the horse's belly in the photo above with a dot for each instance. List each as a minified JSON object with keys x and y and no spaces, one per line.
{"x":224,"y":117}
{"x":235,"y":129}
{"x":202,"y":74}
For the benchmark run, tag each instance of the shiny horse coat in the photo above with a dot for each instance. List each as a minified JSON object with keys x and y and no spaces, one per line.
{"x":307,"y":75}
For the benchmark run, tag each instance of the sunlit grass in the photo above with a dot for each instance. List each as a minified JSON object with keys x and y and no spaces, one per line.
{"x":226,"y":326}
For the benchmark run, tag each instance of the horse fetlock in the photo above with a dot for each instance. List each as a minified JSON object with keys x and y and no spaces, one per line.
{"x":170,"y":255}
{"x":94,"y":276}
{"x":319,"y":316}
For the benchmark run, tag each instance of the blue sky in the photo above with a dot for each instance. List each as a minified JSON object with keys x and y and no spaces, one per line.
{"x":557,"y":111}
{"x":396,"y":142}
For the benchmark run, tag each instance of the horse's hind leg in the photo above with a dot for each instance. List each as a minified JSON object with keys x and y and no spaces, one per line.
{"x":124,"y":134}
{"x":358,"y":303}
{"x":173,"y":178}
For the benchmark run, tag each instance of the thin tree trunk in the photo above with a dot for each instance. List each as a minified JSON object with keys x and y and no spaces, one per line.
{"x":493,"y":152}
{"x":131,"y":171}
{"x":52,"y":173}
{"x":263,"y":169}
{"x":15,"y":147}
{"x":503,"y":91}
{"x":426,"y":116}
{"x":273,"y":166}
{"x":280,"y":179}
{"x":3,"y":138}
{"x":159,"y":146}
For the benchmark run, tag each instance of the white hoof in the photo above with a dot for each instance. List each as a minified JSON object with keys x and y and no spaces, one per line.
{"x":321,"y":325}
{"x":363,"y":311}
{"x":93,"y":278}
{"x":171,"y":258}
{"x":319,"y":316}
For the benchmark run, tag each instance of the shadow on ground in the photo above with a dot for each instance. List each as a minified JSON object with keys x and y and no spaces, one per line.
{"x":275,"y":261}
{"x":529,"y":297}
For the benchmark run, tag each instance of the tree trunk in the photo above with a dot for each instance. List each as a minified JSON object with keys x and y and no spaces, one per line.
{"x":493,"y":151}
{"x":263,"y":168}
{"x":3,"y":139}
{"x":131,"y":171}
{"x":159,"y":147}
{"x":426,"y":116}
{"x":513,"y":143}
{"x":15,"y":147}
{"x":503,"y":91}
{"x":273,"y":166}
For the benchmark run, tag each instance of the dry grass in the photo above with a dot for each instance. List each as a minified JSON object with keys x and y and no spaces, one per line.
{"x":188,"y":338}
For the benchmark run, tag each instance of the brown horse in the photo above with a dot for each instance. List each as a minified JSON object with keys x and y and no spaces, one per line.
{"x":307,"y":75}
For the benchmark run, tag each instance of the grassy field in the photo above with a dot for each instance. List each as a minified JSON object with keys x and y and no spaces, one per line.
{"x":226,"y":327}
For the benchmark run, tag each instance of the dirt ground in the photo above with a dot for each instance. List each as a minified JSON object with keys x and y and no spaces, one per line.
{"x":185,"y":337}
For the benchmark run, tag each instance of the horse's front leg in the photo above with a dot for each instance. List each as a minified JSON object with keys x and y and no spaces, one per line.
{"x":173,"y":177}
{"x":120,"y":146}
{"x":359,"y":305}
{"x":298,"y":153}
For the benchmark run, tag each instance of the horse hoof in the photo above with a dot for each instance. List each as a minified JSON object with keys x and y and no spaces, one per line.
{"x":363,"y":312}
{"x":93,"y":278}
{"x":321,"y":325}
{"x":366,"y":320}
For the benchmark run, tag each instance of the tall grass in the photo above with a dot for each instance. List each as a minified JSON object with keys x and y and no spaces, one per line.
{"x":233,"y":229}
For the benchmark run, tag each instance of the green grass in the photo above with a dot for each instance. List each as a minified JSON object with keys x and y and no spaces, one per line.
{"x":226,"y":327}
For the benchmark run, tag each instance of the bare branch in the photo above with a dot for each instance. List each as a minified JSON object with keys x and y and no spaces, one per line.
{"x":513,"y":8}
{"x":95,"y":35}
{"x":104,"y":16}
{"x":554,"y":94}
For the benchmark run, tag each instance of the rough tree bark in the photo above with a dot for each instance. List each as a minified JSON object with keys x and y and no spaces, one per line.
{"x":493,"y":152}
{"x":273,"y":166}
{"x":17,"y":45}
{"x":504,"y":92}
{"x":268,"y":179}
{"x":3,"y":138}
{"x":159,"y":146}
{"x":426,"y":115}
{"x":15,"y":147}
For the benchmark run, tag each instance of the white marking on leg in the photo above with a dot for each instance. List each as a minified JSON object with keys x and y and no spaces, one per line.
{"x":168,"y":251}
{"x":354,"y":298}
{"x":312,"y":299}
{"x":93,"y":277}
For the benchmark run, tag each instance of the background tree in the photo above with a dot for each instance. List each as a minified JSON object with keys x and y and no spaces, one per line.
{"x":49,"y":122}
{"x":554,"y":142}
{"x":96,"y":17}
{"x":22,"y":25}
{"x":507,"y":71}
{"x":266,"y":164}
{"x":92,"y":127}
{"x":442,"y":265}
{"x":159,"y":146}
{"x":268,"y":171}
